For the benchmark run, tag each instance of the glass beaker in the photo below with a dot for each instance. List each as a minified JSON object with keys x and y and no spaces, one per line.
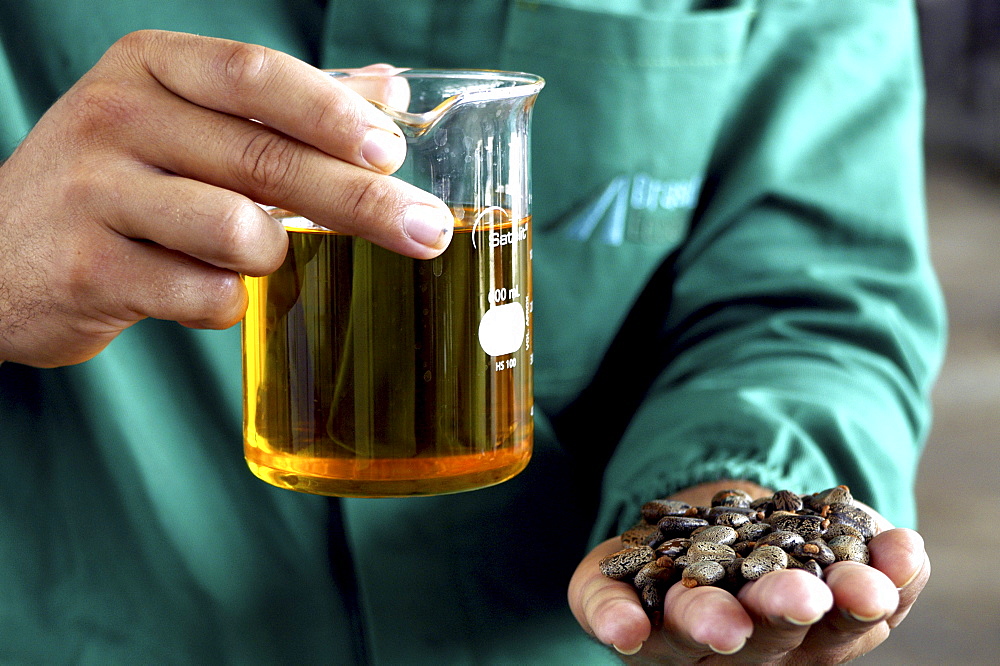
{"x":371,"y":374}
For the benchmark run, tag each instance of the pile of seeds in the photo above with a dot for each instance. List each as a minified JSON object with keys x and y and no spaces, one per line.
{"x":738,"y":539}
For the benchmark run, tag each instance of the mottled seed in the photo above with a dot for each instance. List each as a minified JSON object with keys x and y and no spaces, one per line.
{"x":714,"y":511}
{"x":706,"y":572}
{"x":786,"y":500}
{"x":857,"y":518}
{"x":809,"y":527}
{"x":718,"y":534}
{"x":638,"y":535}
{"x":841,"y":529}
{"x":707,"y":550}
{"x":655,"y":572}
{"x":675,"y":526}
{"x":674,"y":547}
{"x":734,"y":575}
{"x":763,"y":560}
{"x":743,"y":548}
{"x":731,"y":519}
{"x":731,"y":497}
{"x":835,"y":495}
{"x":817,"y":550}
{"x":625,"y":563}
{"x":849,"y":549}
{"x":653,"y":510}
{"x":753,"y":531}
{"x":806,"y":565}
{"x":783,"y":539}
{"x":651,"y":597}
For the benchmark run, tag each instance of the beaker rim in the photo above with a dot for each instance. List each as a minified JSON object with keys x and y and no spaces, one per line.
{"x":493,"y":85}
{"x":518,"y":84}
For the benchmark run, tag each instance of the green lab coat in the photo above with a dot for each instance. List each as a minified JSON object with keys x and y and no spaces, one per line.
{"x":731,"y":280}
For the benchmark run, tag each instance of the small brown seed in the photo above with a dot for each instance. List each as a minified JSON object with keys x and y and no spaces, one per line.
{"x":841,"y":529}
{"x":653,"y":510}
{"x":849,"y":549}
{"x":753,"y":531}
{"x":674,"y":547}
{"x":638,"y":535}
{"x":654,"y":572}
{"x":706,"y":572}
{"x":627,"y":562}
{"x":835,"y":495}
{"x":679,"y":526}
{"x":707,"y":550}
{"x":809,"y":527}
{"x":731,"y":519}
{"x":817,"y":550}
{"x":786,"y":500}
{"x":716,"y":533}
{"x":651,"y":597}
{"x":806,"y":565}
{"x":783,"y":539}
{"x":731,"y":497}
{"x":763,"y":560}
{"x":854,"y":516}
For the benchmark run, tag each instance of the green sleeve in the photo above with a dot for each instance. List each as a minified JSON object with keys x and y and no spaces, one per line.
{"x":802,"y":324}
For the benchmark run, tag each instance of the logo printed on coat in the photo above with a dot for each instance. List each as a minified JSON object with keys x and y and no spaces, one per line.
{"x":637,"y":208}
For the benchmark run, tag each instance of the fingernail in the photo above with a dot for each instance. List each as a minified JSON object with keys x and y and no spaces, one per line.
{"x":628,"y":652}
{"x":912,"y":577}
{"x":728,"y":652}
{"x":428,"y":225}
{"x":802,"y":623}
{"x":862,"y":618}
{"x":383,"y":149}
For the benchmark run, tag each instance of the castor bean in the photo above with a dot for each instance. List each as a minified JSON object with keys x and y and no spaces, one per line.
{"x":841,"y":529}
{"x":783,"y":539}
{"x":786,"y":500}
{"x":638,"y":535}
{"x":752,"y":514}
{"x":675,"y":526}
{"x":660,"y":570}
{"x":809,"y":527}
{"x":743,"y":548}
{"x":849,"y":549}
{"x":717,"y":533}
{"x":705,"y":572}
{"x":627,"y":562}
{"x":763,"y":560}
{"x":653,"y":510}
{"x":731,"y":497}
{"x":753,"y":531}
{"x":835,"y":495}
{"x":806,"y":565}
{"x":857,"y":518}
{"x":731,"y":519}
{"x":674,"y":547}
{"x":817,"y":550}
{"x":734,"y":575}
{"x":763,"y":504}
{"x":651,"y":598}
{"x":707,"y":550}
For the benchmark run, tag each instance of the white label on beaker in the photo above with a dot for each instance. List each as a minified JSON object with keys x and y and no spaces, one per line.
{"x":501,"y":330}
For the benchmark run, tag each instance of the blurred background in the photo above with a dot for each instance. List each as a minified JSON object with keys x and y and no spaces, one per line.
{"x":957,"y":620}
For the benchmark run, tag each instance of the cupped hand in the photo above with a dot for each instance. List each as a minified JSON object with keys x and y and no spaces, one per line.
{"x":134,"y":195}
{"x":784,"y":617}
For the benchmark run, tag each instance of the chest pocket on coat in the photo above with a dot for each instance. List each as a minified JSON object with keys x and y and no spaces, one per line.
{"x":621,"y":136}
